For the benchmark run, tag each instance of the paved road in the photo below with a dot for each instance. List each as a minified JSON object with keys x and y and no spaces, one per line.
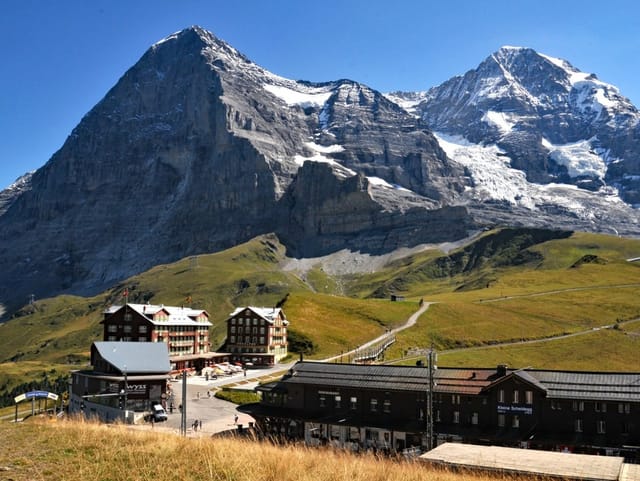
{"x":216,"y":415}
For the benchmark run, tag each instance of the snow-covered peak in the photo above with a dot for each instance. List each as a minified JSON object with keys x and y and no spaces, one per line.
{"x":8,"y":195}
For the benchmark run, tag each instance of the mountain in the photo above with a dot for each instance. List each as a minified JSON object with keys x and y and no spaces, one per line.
{"x":531,"y":128}
{"x":196,"y":149}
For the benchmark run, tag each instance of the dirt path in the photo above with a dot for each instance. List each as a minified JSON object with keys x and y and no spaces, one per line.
{"x":558,"y":291}
{"x":410,"y":323}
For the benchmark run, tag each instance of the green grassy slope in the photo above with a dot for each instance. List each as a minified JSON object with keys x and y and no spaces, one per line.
{"x":507,"y":285}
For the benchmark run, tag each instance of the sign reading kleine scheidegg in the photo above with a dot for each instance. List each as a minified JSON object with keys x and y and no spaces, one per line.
{"x":510,"y":408}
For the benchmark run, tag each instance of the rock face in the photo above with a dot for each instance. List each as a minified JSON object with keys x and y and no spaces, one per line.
{"x":196,"y":149}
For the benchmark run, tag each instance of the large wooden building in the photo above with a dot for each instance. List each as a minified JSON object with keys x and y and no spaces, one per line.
{"x":385,"y":407}
{"x":184,"y":330}
{"x":257,"y":335}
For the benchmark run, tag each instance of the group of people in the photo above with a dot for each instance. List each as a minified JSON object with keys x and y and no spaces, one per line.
{"x":197,"y":424}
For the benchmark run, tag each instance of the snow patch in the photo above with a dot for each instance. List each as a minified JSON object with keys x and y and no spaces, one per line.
{"x":377,"y":181}
{"x":503,"y":121}
{"x":325,"y":149}
{"x":312,"y":98}
{"x":579,"y":158}
{"x":319,"y":156}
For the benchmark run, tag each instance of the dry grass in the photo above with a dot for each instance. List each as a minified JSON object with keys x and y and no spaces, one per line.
{"x":71,"y":450}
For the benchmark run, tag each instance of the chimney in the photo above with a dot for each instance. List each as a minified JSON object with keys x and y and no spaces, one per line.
{"x":502,"y":370}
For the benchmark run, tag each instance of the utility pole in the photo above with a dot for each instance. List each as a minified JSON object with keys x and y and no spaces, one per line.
{"x":431,"y":365}
{"x":126,"y":389}
{"x":183,"y":415}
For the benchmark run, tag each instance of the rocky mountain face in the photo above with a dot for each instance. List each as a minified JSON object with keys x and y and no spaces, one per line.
{"x":196,"y":149}
{"x":553,"y":122}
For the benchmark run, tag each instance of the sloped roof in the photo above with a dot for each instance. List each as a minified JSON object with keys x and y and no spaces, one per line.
{"x":600,"y":386}
{"x":405,"y":378}
{"x":525,"y":376}
{"x":177,"y":316}
{"x":134,"y":357}
{"x":269,"y":314}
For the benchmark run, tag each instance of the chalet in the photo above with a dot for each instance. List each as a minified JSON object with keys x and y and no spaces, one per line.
{"x":257,"y":335}
{"x":184,"y":330}
{"x":126,"y":379}
{"x":385,"y":407}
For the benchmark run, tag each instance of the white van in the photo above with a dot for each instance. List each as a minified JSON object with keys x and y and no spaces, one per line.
{"x":158,"y":413}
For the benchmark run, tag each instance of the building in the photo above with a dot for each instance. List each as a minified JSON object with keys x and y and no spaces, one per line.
{"x":184,"y":330}
{"x":257,"y":335}
{"x":385,"y":407}
{"x":126,"y":379}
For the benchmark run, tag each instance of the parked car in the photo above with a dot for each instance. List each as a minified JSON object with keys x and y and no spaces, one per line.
{"x":158,"y":414}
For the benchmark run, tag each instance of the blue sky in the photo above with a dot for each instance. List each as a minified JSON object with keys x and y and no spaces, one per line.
{"x":60,"y":58}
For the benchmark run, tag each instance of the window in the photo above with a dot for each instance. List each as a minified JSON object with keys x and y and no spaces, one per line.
{"x":624,"y":408}
{"x":373,"y":404}
{"x":437,"y":415}
{"x":602,"y":427}
{"x":127,"y":317}
{"x":323,"y":401}
{"x":528,"y":397}
{"x":556,"y":405}
{"x":474,"y":419}
{"x":112,"y":328}
{"x":353,"y":403}
{"x":577,"y":405}
{"x":127,"y":328}
{"x":578,"y":425}
{"x":338,"y":401}
{"x":501,"y":420}
{"x":233,"y":329}
{"x":386,"y":406}
{"x":600,"y":407}
{"x":515,"y":422}
{"x":516,"y":397}
{"x":455,"y":399}
{"x":456,"y":417}
{"x":112,"y":338}
{"x":232,"y":339}
{"x":142,"y":329}
{"x":501,"y":396}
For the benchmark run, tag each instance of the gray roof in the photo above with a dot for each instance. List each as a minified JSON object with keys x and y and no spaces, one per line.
{"x":135,"y":357}
{"x":393,"y":378}
{"x":600,"y":386}
{"x":596,"y":386}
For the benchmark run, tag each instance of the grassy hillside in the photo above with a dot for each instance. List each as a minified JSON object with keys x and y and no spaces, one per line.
{"x":506,"y":286}
{"x":82,"y":451}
